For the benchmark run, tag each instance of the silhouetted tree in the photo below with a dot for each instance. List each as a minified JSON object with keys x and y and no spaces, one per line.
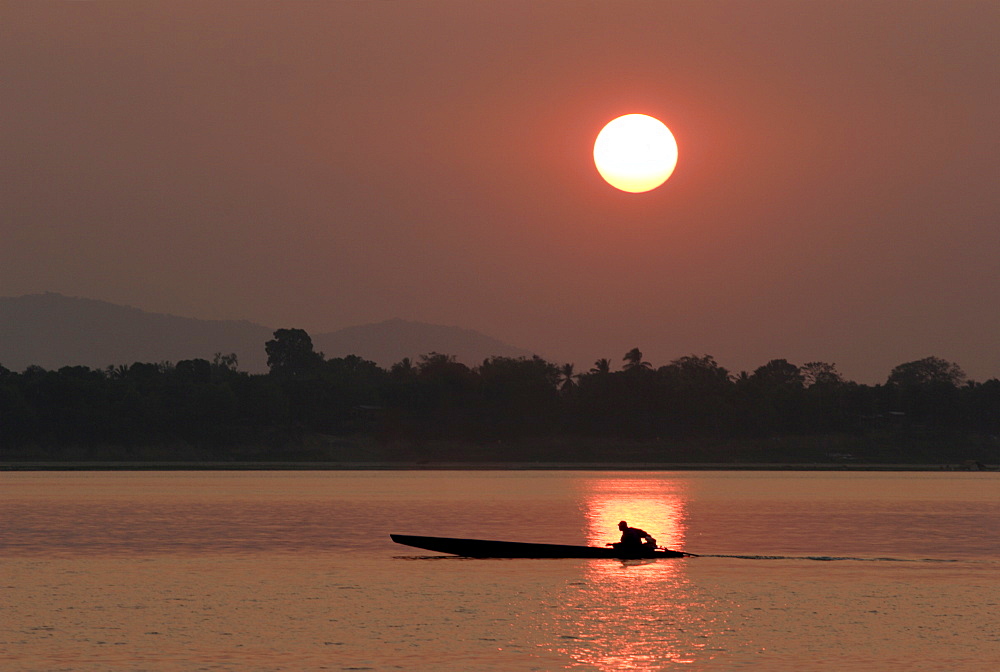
{"x":349,"y":383}
{"x":444,"y":397}
{"x":981,"y":403}
{"x":830,"y":403}
{"x":926,"y":391}
{"x":194,"y":370}
{"x":634,"y":362}
{"x":567,"y":378}
{"x":772,"y":398}
{"x":601,"y":367}
{"x":820,"y":373}
{"x":696,"y":395}
{"x":592,"y":408}
{"x":778,"y":373}
{"x":403,"y":370}
{"x":635,"y":403}
{"x":926,"y":371}
{"x":290,"y":354}
{"x":519,"y":395}
{"x":212,"y":411}
{"x":698,"y":372}
{"x":229,"y":362}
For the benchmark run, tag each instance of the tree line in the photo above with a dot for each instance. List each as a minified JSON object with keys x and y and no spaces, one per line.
{"x":691,"y":409}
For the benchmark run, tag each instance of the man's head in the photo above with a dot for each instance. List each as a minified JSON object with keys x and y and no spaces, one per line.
{"x":623,"y":526}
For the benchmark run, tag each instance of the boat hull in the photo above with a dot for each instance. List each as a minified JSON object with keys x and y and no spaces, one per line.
{"x":483,"y":548}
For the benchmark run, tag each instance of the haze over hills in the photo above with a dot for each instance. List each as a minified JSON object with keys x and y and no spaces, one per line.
{"x":51,"y":330}
{"x":386,"y":343}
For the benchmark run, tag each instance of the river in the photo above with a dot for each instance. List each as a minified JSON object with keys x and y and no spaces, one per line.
{"x":295,"y":571}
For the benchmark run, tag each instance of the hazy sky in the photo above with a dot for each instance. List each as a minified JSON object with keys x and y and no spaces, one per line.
{"x":327,"y":164}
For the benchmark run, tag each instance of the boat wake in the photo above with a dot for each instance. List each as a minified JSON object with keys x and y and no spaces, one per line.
{"x":814,"y":558}
{"x":823,"y":558}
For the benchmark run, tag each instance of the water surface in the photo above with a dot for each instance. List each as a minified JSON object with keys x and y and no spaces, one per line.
{"x":294,"y":570}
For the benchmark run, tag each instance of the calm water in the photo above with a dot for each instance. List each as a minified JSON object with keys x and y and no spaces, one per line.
{"x":295,"y":571}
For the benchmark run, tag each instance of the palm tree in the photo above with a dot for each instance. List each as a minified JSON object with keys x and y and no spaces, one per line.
{"x":567,"y":377}
{"x":602,"y":367}
{"x":633,"y":361}
{"x":117,"y":372}
{"x":403,"y":369}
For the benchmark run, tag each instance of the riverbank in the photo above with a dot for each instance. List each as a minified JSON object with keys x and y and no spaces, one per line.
{"x":357,"y":452}
{"x":478,"y":466}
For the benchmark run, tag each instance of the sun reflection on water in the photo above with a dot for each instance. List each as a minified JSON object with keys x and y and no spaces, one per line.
{"x":656,"y":505}
{"x":636,"y":614}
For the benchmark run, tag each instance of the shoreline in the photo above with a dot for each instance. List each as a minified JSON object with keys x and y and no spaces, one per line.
{"x":477,"y":466}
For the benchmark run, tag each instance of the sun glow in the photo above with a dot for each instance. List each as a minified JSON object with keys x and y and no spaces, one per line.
{"x":629,"y":603}
{"x":655,"y":505}
{"x":635,"y":153}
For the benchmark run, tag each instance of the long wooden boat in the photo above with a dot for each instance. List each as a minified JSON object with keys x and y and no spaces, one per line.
{"x":483,"y":548}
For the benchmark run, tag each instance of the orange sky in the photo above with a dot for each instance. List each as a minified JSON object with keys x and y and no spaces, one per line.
{"x":322,"y":165}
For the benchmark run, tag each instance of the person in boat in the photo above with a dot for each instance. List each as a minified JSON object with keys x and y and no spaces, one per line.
{"x":635,"y":538}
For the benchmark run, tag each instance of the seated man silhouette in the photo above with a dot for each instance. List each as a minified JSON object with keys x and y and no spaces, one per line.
{"x":634,"y":539}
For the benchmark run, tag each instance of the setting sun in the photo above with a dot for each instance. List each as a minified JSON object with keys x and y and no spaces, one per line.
{"x":635,"y":153}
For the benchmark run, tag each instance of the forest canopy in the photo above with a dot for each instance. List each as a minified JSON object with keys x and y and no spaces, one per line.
{"x":312,"y":407}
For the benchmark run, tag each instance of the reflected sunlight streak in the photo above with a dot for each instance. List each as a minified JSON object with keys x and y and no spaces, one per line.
{"x":627,"y":615}
{"x":656,"y":505}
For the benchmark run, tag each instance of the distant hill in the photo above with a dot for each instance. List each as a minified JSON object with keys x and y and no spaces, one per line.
{"x":51,"y":330}
{"x":386,"y":343}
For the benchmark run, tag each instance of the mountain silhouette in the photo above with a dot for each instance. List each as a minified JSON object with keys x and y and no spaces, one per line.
{"x":51,"y":330}
{"x":386,"y":343}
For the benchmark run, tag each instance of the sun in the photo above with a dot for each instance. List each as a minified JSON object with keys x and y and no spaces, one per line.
{"x":635,"y":153}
